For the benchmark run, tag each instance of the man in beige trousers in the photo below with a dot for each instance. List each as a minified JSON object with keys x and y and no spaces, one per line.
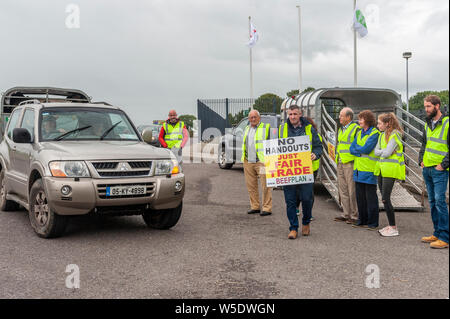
{"x":253,"y":159}
{"x":344,"y":161}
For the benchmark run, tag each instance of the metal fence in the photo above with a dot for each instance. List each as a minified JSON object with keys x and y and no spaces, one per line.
{"x":221,"y":113}
{"x":420,"y":114}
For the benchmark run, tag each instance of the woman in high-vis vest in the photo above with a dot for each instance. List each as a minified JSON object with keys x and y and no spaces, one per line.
{"x":363,"y":171}
{"x":434,"y":159}
{"x":390,"y":167}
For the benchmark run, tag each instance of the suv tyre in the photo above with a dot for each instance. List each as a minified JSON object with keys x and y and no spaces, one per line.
{"x":163,"y":218}
{"x":223,"y":159}
{"x":45,"y":222}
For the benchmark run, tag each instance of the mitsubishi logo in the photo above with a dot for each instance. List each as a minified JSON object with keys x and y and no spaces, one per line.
{"x":123,"y":167}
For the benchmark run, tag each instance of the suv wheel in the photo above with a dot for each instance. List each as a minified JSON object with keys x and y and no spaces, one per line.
{"x":163,"y":218}
{"x":5,"y":205}
{"x":223,"y":159}
{"x":45,"y":222}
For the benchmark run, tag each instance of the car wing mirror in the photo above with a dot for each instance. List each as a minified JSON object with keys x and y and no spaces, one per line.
{"x":21,"y":135}
{"x":147,"y":135}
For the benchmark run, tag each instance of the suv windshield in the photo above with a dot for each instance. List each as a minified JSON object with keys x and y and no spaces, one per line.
{"x":85,"y":124}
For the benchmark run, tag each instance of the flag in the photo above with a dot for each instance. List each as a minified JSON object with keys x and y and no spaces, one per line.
{"x":253,"y":36}
{"x":359,"y":23}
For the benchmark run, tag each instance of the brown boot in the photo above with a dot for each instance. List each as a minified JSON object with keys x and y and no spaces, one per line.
{"x":306,"y":230}
{"x":292,"y":234}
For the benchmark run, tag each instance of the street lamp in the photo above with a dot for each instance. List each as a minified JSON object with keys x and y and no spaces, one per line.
{"x":407,"y":55}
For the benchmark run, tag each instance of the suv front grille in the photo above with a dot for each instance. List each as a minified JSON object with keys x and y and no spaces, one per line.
{"x":124,"y":174}
{"x":147,"y":164}
{"x":101,"y":190}
{"x":105,"y":165}
{"x":123,"y":168}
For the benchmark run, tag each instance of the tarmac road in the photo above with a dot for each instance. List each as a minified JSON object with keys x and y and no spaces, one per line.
{"x":217,"y":250}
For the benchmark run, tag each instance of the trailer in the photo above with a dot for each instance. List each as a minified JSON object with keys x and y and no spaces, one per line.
{"x":323,"y":106}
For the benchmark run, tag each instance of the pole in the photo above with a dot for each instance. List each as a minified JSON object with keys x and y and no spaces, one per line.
{"x":299,"y":50}
{"x":407,"y":87}
{"x":251,"y":67}
{"x":355,"y":64}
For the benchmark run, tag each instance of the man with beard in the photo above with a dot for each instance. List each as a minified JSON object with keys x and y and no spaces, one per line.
{"x":434,"y":159}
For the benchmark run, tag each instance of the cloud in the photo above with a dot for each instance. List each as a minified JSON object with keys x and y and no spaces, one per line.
{"x":150,"y":56}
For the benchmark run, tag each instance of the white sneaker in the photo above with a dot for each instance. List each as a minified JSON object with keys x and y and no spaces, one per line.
{"x":383,"y":229}
{"x":390,"y":232}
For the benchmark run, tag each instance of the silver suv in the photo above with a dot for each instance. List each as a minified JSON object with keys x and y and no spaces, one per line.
{"x":63,"y":159}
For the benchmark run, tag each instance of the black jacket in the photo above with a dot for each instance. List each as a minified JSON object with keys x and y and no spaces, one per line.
{"x":316,"y":144}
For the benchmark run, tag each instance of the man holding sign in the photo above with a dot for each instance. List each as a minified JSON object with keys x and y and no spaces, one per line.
{"x":298,"y":145}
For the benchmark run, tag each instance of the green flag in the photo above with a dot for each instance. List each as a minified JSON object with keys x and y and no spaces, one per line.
{"x":359,"y":23}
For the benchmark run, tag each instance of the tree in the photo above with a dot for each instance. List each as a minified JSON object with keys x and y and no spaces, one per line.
{"x":188,"y":120}
{"x":268,"y":103}
{"x":416,"y":101}
{"x":234,"y":119}
{"x":292,"y":93}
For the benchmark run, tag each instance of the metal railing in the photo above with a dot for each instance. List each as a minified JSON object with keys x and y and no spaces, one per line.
{"x":411,"y":146}
{"x":414,"y":179}
{"x":328,"y":167}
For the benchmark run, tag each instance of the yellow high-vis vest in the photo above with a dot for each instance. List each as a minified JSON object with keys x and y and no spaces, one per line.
{"x":344,"y":141}
{"x":262,"y":133}
{"x":366,"y":163}
{"x":394,"y":165}
{"x":173,"y":134}
{"x":436,"y":147}
{"x":284,"y":128}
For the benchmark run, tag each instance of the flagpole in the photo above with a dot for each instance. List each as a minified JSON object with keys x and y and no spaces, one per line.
{"x":251,"y":67}
{"x":299,"y":50}
{"x":355,"y":52}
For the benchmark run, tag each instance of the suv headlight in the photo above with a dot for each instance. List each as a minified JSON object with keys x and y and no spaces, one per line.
{"x":166,"y":167}
{"x":69,"y":169}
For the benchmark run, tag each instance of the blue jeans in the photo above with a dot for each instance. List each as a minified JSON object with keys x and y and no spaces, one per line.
{"x":291,"y":195}
{"x":437,"y":182}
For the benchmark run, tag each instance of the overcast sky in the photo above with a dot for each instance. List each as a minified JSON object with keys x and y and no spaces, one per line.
{"x":148,"y":56}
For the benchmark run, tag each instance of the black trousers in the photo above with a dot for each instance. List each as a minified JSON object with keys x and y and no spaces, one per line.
{"x":386,"y":184}
{"x":367,"y":201}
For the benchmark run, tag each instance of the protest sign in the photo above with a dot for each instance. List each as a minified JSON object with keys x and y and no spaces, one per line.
{"x":288,"y":161}
{"x":331,"y":145}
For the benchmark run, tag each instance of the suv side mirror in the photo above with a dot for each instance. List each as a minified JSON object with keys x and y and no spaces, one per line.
{"x":21,"y":135}
{"x":147,"y":135}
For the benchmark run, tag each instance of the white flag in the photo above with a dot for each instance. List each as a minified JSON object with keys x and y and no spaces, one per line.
{"x":253,"y":36}
{"x":359,"y":23}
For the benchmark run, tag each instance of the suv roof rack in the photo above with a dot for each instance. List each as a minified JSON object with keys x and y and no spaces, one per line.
{"x":101,"y":102}
{"x":33,"y":101}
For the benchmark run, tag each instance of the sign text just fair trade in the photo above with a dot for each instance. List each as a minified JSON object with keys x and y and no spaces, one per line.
{"x":288,"y":165}
{"x":288,"y":161}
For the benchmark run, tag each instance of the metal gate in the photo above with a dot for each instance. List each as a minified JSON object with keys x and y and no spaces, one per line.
{"x":221,"y":114}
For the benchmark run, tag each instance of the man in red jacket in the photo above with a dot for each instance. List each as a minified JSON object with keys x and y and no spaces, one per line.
{"x":174,"y":135}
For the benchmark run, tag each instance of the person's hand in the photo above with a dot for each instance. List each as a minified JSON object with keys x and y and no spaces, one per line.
{"x":439,"y":167}
{"x":421,"y":165}
{"x":313,"y":156}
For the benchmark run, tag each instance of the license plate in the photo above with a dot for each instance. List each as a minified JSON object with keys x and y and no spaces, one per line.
{"x":125,"y":190}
